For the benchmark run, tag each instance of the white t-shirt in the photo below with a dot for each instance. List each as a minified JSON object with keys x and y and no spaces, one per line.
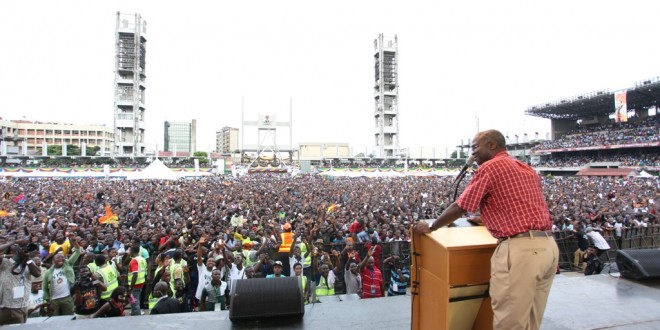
{"x":235,"y":274}
{"x":293,"y":260}
{"x":35,"y":300}
{"x":60,"y":284}
{"x":204,"y":276}
{"x":618,"y":226}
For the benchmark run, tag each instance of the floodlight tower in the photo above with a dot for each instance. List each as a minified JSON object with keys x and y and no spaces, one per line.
{"x":130,"y":75}
{"x":386,"y":96}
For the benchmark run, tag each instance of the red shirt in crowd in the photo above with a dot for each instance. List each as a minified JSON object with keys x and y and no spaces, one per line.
{"x":372,"y":282}
{"x":508,"y":193}
{"x":356,"y":228}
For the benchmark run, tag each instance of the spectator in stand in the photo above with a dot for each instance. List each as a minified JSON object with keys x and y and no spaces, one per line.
{"x":400,"y":276}
{"x":213,"y":295}
{"x":598,"y":241}
{"x":371,"y":277}
{"x":115,"y":306}
{"x":593,"y":264}
{"x":277,"y":270}
{"x":36,"y":304}
{"x":87,"y":294}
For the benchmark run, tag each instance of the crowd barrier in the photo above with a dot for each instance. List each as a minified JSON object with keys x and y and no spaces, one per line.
{"x":631,"y":238}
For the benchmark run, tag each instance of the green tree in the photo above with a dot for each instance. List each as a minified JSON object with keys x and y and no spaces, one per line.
{"x":72,"y":150}
{"x":199,"y":154}
{"x":463,"y":154}
{"x":54,"y":150}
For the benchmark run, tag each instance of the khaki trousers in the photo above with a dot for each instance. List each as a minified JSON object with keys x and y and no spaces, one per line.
{"x":578,"y":256}
{"x":13,"y":315}
{"x":522,"y":270}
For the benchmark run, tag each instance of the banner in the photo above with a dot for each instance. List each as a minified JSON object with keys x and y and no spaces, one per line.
{"x":620,"y":107}
{"x":266,"y":121}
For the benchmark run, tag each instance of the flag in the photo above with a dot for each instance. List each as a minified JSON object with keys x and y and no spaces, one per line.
{"x":4,"y":213}
{"x":109,"y":217}
{"x":20,"y":199}
{"x":332,"y":208}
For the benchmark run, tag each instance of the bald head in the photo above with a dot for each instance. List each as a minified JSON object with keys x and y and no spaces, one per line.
{"x":161,"y":287}
{"x":487,"y":144}
{"x":492,"y":135}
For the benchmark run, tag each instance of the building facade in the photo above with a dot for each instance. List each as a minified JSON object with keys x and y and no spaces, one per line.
{"x":320,"y":151}
{"x":226,"y":140}
{"x":180,"y":137}
{"x":30,"y":137}
{"x":130,"y":75}
{"x":386,"y":97}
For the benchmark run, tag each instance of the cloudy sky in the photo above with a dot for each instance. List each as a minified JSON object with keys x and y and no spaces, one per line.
{"x":458,"y":61}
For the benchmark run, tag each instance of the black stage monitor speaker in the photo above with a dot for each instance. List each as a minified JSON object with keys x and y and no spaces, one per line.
{"x":259,"y":298}
{"x":639,"y":264}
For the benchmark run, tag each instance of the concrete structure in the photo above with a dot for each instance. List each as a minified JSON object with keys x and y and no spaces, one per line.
{"x":622,"y":305}
{"x":30,"y":137}
{"x":268,"y":129}
{"x":130,"y":75}
{"x":320,"y":151}
{"x":179,"y":136}
{"x":226,"y":140}
{"x":386,"y":97}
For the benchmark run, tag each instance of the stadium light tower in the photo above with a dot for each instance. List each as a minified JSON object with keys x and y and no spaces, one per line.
{"x":386,"y":96}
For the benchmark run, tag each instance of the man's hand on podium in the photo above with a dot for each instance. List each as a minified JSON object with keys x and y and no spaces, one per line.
{"x":421,"y":227}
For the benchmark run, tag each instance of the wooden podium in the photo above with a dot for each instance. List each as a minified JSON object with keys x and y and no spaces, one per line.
{"x":452,"y":271}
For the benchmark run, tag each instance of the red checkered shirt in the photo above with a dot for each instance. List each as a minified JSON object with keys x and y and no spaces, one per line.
{"x":509,"y":194}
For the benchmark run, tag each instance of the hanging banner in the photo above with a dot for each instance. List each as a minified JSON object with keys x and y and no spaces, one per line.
{"x":620,"y":107}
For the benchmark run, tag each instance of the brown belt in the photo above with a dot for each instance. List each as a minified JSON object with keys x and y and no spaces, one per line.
{"x":530,"y":234}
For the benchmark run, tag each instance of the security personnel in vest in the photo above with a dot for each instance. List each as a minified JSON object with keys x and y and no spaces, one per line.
{"x":138,"y":269}
{"x":298,"y":269}
{"x":306,"y":252}
{"x":108,"y":275}
{"x":325,"y":283}
{"x":285,"y":248}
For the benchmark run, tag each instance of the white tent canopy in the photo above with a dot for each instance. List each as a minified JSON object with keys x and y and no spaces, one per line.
{"x":644,"y":174}
{"x":155,"y":170}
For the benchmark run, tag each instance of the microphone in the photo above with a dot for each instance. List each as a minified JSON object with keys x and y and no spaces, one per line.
{"x":468,"y":163}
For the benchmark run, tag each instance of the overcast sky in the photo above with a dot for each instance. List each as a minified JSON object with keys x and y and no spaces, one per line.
{"x":458,"y":60}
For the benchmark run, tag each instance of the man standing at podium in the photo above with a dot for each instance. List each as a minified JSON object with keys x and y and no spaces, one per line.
{"x":513,"y":209}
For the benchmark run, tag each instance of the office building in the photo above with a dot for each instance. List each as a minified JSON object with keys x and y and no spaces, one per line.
{"x":180,"y":137}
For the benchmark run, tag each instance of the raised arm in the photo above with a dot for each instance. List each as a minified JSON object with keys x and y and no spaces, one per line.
{"x":370,"y":253}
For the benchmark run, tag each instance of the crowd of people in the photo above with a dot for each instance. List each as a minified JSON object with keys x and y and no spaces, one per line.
{"x":579,"y":160}
{"x":642,"y":131}
{"x":103,"y":245}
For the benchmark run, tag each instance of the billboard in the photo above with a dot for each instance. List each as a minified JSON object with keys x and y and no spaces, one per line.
{"x":620,"y":107}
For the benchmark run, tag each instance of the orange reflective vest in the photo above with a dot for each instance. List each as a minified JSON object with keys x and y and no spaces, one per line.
{"x":287,"y":240}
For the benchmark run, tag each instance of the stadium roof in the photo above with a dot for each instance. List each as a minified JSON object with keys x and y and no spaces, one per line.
{"x":645,"y":94}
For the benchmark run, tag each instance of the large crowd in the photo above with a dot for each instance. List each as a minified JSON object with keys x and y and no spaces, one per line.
{"x":167,"y":246}
{"x":638,"y":131}
{"x":578,"y":160}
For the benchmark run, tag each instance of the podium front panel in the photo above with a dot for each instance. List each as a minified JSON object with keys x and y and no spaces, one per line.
{"x":451,"y":265}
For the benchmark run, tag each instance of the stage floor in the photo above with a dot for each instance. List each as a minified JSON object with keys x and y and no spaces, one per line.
{"x":576,"y":302}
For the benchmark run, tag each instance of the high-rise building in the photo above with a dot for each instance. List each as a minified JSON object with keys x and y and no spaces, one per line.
{"x":130,"y":74}
{"x":180,"y":137}
{"x":386,"y":97}
{"x":226,"y":140}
